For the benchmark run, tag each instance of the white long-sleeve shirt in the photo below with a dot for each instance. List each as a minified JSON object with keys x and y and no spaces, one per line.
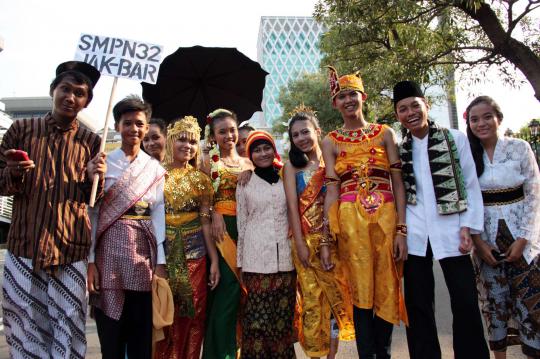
{"x":117,"y":163}
{"x":424,"y":221}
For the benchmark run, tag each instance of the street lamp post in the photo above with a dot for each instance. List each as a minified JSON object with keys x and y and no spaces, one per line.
{"x":534,"y":127}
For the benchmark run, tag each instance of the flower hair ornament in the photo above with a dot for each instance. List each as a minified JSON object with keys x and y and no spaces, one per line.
{"x":210,"y":118}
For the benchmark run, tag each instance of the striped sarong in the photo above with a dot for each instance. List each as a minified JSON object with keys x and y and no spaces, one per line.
{"x":44,"y":314}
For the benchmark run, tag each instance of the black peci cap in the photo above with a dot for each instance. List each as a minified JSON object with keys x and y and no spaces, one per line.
{"x":404,"y":89}
{"x":86,"y":69}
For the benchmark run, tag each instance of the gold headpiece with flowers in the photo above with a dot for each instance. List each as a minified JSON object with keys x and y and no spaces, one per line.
{"x":344,"y":83}
{"x":187,"y":127}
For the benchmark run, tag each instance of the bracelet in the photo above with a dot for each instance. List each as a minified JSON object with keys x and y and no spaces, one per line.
{"x":326,"y":241}
{"x":204,"y":215}
{"x":325,"y":226}
{"x":331,"y":180}
{"x":401,"y":229}
{"x":396,"y":166}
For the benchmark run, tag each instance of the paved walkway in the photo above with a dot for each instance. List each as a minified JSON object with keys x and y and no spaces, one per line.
{"x":346,"y":350}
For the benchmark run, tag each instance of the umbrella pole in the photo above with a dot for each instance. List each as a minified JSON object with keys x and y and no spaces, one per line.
{"x":103,"y":141}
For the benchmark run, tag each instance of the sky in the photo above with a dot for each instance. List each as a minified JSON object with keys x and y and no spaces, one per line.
{"x":40,"y":34}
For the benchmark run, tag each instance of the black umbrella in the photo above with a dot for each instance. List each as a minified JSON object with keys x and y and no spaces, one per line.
{"x":197,"y":80}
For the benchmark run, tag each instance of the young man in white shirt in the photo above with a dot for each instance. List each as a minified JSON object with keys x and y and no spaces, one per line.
{"x":444,"y":204}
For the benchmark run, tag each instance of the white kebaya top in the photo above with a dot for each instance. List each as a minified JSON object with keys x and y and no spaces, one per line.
{"x":263,"y":229}
{"x":513,"y":165}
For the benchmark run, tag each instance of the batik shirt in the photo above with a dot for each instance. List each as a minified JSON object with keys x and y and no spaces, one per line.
{"x":50,"y":221}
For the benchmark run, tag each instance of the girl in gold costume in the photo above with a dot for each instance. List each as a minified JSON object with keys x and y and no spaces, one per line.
{"x":365,"y":209}
{"x":322,"y":293}
{"x":188,"y":196}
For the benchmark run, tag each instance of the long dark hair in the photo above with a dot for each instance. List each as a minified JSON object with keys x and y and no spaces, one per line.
{"x":298,"y":158}
{"x":476,"y":146}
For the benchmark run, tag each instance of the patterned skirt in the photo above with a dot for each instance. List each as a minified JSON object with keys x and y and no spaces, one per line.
{"x":509,"y":296}
{"x":125,"y":256}
{"x":183,"y":340}
{"x":268,"y":316}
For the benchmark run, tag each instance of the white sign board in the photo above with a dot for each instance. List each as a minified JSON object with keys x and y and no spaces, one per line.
{"x":116,"y":57}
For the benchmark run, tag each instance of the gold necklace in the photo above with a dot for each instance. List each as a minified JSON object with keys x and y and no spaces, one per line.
{"x":233,"y":164}
{"x":354,"y":133}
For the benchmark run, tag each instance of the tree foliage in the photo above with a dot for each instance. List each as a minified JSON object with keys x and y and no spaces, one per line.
{"x":425,"y":40}
{"x":524,"y":131}
{"x":311,"y":90}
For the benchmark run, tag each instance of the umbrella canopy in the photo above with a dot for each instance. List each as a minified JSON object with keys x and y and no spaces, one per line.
{"x":197,"y":80}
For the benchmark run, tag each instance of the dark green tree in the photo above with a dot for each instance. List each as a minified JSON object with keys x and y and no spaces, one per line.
{"x":311,"y":90}
{"x":425,"y":40}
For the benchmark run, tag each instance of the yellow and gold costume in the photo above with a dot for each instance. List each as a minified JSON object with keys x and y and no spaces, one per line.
{"x":364,"y":220}
{"x":322,"y":293}
{"x":188,"y":196}
{"x":185,"y":190}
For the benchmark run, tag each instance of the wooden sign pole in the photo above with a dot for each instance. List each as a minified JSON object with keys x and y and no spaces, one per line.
{"x":103,"y":141}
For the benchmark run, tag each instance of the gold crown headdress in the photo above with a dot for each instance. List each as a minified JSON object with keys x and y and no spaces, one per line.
{"x":345,"y":82}
{"x":303,"y":108}
{"x":188,"y":127}
{"x":188,"y":124}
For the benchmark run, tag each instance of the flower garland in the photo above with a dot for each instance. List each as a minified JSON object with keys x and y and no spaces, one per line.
{"x":214,"y":166}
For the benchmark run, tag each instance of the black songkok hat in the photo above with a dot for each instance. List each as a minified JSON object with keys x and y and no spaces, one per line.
{"x":86,"y":69}
{"x":404,"y":89}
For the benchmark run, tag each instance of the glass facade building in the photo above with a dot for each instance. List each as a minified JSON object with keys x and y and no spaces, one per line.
{"x":286,"y":48}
